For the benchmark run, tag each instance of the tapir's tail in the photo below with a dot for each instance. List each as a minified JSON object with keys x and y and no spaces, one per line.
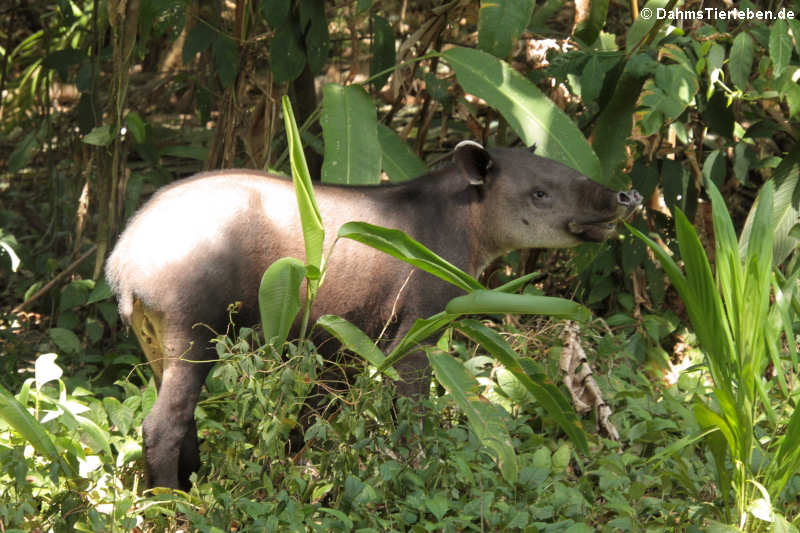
{"x":115,"y":278}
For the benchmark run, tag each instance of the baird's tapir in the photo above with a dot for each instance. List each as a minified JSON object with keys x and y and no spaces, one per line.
{"x":204,"y":242}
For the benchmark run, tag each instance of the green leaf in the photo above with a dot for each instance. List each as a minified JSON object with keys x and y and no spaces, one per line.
{"x":101,"y":291}
{"x":780,"y":47}
{"x":199,"y":39}
{"x":383,"y":52}
{"x":66,"y":340}
{"x":16,"y":416}
{"x":226,"y":59}
{"x":741,"y":60}
{"x":500,"y":23}
{"x":99,"y":136}
{"x":589,"y":28}
{"x":310,"y":218}
{"x":422,"y":330}
{"x":136,"y":126}
{"x":784,"y":218}
{"x":61,"y":60}
{"x":350,"y":129}
{"x":786,"y":462}
{"x":714,"y":167}
{"x":279,"y":299}
{"x":490,"y":302}
{"x":317,"y":39}
{"x":532,"y":116}
{"x":276,"y":12}
{"x":484,"y":418}
{"x":286,"y":54}
{"x":401,"y":246}
{"x":547,"y":394}
{"x":356,"y":341}
{"x":399,"y":162}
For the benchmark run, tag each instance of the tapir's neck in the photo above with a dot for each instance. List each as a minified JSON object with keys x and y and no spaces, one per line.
{"x":443,"y":212}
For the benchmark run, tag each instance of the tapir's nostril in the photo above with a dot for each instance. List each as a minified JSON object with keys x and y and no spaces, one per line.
{"x":630,"y":198}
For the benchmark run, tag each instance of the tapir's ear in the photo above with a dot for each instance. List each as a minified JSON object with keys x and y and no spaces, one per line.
{"x":474,"y":161}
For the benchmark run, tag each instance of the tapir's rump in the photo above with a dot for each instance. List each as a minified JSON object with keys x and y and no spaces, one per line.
{"x":204,"y":242}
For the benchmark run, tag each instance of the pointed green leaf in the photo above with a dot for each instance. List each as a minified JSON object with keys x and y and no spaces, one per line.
{"x":488,"y":302}
{"x":398,"y":244}
{"x":279,"y":298}
{"x":356,"y":341}
{"x":422,"y":330}
{"x":310,"y":218}
{"x":547,"y":394}
{"x":483,"y":417}
{"x":16,"y":416}
{"x":741,"y":60}
{"x":780,"y":47}
{"x":531,"y":114}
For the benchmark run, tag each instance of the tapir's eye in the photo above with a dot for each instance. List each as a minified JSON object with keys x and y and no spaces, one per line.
{"x":540,"y":195}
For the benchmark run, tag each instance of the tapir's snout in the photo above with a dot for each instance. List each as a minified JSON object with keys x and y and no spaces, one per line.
{"x":629,"y":201}
{"x":600,"y":229}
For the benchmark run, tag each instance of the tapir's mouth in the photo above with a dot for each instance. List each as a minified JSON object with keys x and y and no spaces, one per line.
{"x":600,"y":230}
{"x":593,"y":231}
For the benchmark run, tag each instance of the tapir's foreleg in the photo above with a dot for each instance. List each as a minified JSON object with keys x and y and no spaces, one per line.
{"x":415,"y":374}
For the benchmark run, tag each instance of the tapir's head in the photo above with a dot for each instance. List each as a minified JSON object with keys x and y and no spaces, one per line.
{"x":529,"y":201}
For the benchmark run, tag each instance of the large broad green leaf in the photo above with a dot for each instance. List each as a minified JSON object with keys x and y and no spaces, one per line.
{"x":16,"y":416}
{"x":356,"y":341}
{"x":500,"y":23}
{"x":350,"y":130}
{"x":547,"y":394}
{"x":310,"y":218}
{"x":489,"y":302}
{"x":532,"y":116}
{"x":279,"y":298}
{"x":398,"y":244}
{"x":484,"y":418}
{"x":399,"y":162}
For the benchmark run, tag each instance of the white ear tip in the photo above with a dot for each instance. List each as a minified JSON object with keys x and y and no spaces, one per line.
{"x":469,"y":143}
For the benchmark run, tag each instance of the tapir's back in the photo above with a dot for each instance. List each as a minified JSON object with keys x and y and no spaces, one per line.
{"x":190,"y":242}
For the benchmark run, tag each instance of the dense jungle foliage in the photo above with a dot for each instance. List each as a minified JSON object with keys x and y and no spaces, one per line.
{"x":669,"y":407}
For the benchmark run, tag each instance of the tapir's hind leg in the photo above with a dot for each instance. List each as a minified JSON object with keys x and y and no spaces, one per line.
{"x":170,"y":432}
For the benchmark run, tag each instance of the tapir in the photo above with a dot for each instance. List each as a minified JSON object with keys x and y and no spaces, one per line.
{"x":204,"y":242}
